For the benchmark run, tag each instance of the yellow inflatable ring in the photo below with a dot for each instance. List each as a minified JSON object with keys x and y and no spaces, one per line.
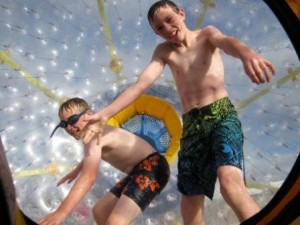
{"x":159,"y":109}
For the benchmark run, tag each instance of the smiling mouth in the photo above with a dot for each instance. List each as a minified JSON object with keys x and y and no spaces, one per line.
{"x":174,"y":34}
{"x":76,"y":133}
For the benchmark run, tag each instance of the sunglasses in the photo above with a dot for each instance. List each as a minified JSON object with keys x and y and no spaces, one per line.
{"x":70,"y":121}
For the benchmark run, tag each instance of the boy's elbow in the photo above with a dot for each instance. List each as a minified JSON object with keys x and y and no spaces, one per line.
{"x":92,"y":177}
{"x":140,"y":86}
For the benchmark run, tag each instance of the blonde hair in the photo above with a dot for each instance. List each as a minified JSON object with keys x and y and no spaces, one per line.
{"x":73,"y":102}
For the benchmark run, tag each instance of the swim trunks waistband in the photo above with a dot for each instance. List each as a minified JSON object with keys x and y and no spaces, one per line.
{"x":223,"y":104}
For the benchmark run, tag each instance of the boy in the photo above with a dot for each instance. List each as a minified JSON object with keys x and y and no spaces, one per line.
{"x":212,"y":141}
{"x":148,"y":171}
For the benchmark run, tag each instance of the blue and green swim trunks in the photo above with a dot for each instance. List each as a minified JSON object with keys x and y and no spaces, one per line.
{"x":212,"y":137}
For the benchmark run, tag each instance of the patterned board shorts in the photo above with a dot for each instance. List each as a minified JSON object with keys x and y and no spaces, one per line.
{"x":212,"y":137}
{"x":147,"y":179}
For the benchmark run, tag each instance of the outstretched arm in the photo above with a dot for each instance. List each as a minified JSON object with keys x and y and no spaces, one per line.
{"x":78,"y":191}
{"x":256,"y":67}
{"x":147,"y":78}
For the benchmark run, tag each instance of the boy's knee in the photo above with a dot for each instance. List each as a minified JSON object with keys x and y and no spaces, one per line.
{"x":95,"y":215}
{"x":98,"y":219}
{"x":94,"y":211}
{"x":230,"y":187}
{"x":230,"y":180}
{"x":113,"y":220}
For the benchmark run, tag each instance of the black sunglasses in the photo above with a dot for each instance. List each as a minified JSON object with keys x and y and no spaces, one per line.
{"x":70,"y":121}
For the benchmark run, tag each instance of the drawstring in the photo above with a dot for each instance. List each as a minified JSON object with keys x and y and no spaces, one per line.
{"x":244,"y":168}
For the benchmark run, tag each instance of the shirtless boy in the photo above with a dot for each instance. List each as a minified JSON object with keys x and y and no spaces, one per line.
{"x":212,"y":141}
{"x":148,"y":171}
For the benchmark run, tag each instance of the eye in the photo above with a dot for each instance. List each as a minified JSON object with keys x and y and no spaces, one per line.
{"x":73,"y":119}
{"x":169,"y":19}
{"x":159,"y":29}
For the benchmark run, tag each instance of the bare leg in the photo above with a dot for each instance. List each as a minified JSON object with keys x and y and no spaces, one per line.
{"x":104,"y":207}
{"x":235,"y":193}
{"x":124,"y":212}
{"x":192,"y":209}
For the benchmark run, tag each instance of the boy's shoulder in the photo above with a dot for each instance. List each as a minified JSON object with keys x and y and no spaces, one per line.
{"x":114,"y":131}
{"x":163,"y":48}
{"x":209,"y":29}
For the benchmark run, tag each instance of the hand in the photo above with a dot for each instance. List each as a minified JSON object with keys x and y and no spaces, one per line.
{"x":55,"y":218}
{"x":258,"y":69}
{"x":69,"y":177}
{"x":93,"y":129}
{"x":90,"y":133}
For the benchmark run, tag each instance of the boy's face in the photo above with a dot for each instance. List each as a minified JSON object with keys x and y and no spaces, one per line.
{"x":75,"y":121}
{"x":169,"y":24}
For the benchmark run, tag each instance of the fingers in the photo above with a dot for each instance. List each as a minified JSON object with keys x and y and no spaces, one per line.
{"x":62,"y":180}
{"x":94,"y":130}
{"x":252,"y":74}
{"x":260,"y":71}
{"x":270,"y":66}
{"x":90,"y":134}
{"x":46,"y":221}
{"x":87,"y":137}
{"x":99,"y":138}
{"x":268,"y":70}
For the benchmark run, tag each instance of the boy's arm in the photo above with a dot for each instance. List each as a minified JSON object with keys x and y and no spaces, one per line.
{"x":80,"y":188}
{"x":257,"y":68}
{"x":146,"y":79}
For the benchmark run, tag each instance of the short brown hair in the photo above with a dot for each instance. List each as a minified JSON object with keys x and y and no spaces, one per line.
{"x":159,"y":4}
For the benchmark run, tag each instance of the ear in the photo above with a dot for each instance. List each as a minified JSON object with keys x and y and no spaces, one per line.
{"x":150,"y":23}
{"x":181,"y":13}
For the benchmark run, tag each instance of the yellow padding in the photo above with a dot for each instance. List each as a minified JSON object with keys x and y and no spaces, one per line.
{"x":159,"y":109}
{"x":19,"y":217}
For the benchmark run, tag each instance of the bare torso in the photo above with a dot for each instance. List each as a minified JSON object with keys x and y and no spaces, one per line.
{"x":197,"y":70}
{"x":122,"y":149}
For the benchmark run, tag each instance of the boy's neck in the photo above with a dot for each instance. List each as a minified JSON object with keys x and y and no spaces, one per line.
{"x":187,"y":40}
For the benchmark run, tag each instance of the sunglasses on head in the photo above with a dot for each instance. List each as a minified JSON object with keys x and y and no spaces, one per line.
{"x":70,"y":121}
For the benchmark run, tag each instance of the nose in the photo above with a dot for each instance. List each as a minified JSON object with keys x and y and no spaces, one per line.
{"x":167,"y":27}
